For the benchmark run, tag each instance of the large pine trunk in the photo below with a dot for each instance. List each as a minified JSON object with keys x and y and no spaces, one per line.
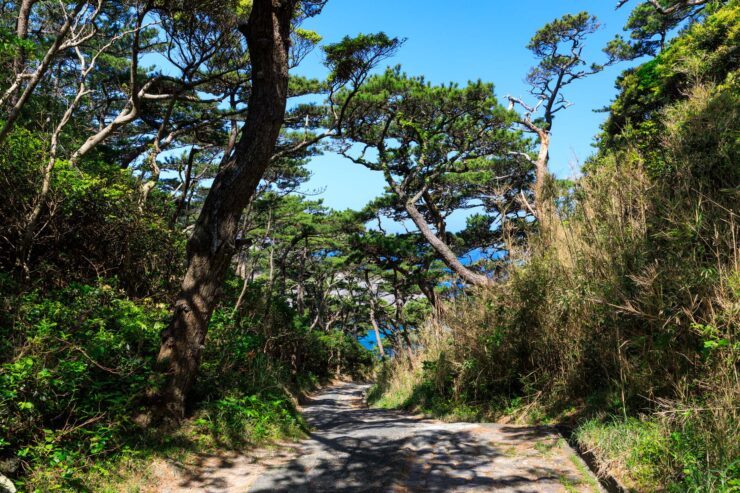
{"x":212,"y":244}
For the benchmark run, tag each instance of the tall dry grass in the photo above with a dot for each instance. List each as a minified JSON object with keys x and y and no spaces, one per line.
{"x":626,"y":305}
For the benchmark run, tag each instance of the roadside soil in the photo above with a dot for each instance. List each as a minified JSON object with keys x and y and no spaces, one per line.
{"x":353,"y":448}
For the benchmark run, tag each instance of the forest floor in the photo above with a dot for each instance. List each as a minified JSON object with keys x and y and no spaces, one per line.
{"x":353,"y":448}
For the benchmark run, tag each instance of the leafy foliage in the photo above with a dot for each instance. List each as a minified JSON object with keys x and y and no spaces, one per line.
{"x":624,"y":321}
{"x":703,"y":54}
{"x":81,"y":362}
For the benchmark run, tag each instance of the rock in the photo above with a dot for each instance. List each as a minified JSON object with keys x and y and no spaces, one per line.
{"x":9,"y":466}
{"x":6,"y":485}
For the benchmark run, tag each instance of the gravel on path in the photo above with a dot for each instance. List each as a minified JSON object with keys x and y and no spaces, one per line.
{"x":354,"y":448}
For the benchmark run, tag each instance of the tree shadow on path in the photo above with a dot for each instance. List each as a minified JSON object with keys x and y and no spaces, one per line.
{"x":356,"y":449}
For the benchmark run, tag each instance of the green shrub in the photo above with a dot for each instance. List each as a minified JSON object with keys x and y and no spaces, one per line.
{"x":80,"y":365}
{"x":234,"y":421}
{"x":632,"y":449}
{"x":626,"y":304}
{"x":92,"y":223}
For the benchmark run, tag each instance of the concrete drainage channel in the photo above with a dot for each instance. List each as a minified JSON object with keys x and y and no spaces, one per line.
{"x":608,"y":482}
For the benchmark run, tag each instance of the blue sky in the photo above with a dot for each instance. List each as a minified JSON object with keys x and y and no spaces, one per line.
{"x":458,"y":41}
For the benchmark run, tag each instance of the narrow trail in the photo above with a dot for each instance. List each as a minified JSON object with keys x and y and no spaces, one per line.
{"x":354,"y":448}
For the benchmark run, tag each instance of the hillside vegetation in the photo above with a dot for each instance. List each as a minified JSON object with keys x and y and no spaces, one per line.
{"x":621,"y":317}
{"x":171,"y":286}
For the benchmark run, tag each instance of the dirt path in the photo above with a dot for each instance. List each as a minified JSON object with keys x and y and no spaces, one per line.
{"x":358,"y":449}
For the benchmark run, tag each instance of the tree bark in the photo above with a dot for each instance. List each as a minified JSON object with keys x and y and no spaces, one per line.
{"x":376,"y":328}
{"x":21,"y":31}
{"x":541,"y":175}
{"x":444,"y":251}
{"x":212,"y":243}
{"x":151,"y":159}
{"x":186,"y":185}
{"x":34,"y":79}
{"x":427,"y":289}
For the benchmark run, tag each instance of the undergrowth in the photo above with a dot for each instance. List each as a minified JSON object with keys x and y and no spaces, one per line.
{"x":78,"y":365}
{"x":621,"y":318}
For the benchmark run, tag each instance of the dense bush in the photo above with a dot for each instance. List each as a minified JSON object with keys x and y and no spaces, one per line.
{"x":92,"y":223}
{"x":705,"y":53}
{"x":623,"y":316}
{"x":78,"y":364}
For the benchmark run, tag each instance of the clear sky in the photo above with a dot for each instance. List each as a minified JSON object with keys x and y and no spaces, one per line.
{"x":458,"y":41}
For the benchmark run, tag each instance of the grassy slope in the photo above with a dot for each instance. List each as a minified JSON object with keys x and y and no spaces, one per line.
{"x":622,"y":317}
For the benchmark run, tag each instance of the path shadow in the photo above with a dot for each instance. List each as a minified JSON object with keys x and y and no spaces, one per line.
{"x":356,"y":449}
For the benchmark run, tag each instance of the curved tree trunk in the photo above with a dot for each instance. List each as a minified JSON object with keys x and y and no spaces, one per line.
{"x":211,"y":245}
{"x":448,"y":256}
